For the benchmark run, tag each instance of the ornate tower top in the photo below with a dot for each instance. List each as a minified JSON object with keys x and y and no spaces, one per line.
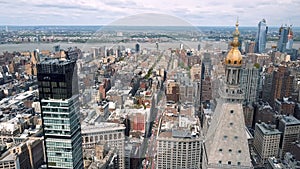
{"x":234,"y":56}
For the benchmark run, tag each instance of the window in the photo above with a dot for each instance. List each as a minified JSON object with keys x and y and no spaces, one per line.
{"x":220,"y":162}
{"x":231,"y":124}
{"x":231,"y":111}
{"x":220,"y":149}
{"x":230,"y":150}
{"x":235,"y":137}
{"x":229,"y":162}
{"x":239,"y":151}
{"x":225,"y":137}
{"x":238,"y":163}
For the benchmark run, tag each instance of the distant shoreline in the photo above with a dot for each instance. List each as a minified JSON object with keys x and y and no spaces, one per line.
{"x":221,"y":45}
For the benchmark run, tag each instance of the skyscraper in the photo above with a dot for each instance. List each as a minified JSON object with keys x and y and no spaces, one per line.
{"x":283,"y":38}
{"x":289,"y":44}
{"x":226,"y":144}
{"x":250,"y":83}
{"x":58,"y":94}
{"x":261,"y":37}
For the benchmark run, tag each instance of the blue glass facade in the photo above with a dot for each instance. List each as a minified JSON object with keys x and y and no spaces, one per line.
{"x":261,"y":37}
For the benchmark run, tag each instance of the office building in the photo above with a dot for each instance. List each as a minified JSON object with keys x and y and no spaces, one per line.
{"x":25,"y":155}
{"x":290,"y":42}
{"x":178,"y":149}
{"x":226,"y":143}
{"x":261,"y":37}
{"x":195,"y":72}
{"x":58,"y":94}
{"x":266,"y":141}
{"x":206,"y":65}
{"x":172,"y":91}
{"x":285,"y":38}
{"x":137,"y":48}
{"x":111,"y":133}
{"x":290,"y":128}
{"x":179,"y":139}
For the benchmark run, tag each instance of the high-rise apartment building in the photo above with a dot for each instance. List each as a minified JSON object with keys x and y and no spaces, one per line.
{"x":58,"y":93}
{"x":261,"y":37}
{"x":266,"y":141}
{"x":290,"y":128}
{"x":282,"y":84}
{"x":226,"y":143}
{"x":250,"y":83}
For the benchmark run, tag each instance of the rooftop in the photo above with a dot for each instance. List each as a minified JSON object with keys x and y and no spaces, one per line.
{"x":102,"y":126}
{"x":267,"y":129}
{"x":56,"y":61}
{"x":290,"y":120}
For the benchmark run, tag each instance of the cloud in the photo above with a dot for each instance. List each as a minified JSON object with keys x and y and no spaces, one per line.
{"x":91,"y":12}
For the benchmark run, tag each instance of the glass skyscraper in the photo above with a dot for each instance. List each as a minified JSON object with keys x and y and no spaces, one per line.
{"x":58,"y":92}
{"x":261,"y":37}
{"x":283,"y":38}
{"x":289,"y":44}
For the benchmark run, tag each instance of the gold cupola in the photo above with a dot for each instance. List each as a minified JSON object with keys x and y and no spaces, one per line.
{"x":234,"y":56}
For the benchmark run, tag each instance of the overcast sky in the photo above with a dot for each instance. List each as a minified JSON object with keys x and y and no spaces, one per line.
{"x":158,"y":12}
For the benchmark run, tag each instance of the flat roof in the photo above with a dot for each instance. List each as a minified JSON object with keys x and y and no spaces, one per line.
{"x":267,"y":129}
{"x":290,"y":120}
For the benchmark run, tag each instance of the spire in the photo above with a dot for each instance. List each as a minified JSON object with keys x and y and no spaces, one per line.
{"x":234,"y":56}
{"x":236,"y":35}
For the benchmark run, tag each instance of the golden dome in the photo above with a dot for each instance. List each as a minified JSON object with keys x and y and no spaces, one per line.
{"x":234,"y":56}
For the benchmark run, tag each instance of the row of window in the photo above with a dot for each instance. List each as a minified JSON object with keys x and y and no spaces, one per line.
{"x":235,"y":137}
{"x":101,"y":137}
{"x":53,"y":84}
{"x":230,"y":150}
{"x":230,"y":163}
{"x":58,"y":144}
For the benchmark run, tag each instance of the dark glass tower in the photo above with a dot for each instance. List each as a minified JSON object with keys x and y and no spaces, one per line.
{"x":58,"y":91}
{"x":261,"y":37}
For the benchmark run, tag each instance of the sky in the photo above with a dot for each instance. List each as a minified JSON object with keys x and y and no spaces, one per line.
{"x":149,"y":12}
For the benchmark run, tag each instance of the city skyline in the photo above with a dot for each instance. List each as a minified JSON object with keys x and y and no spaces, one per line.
{"x":176,"y":13}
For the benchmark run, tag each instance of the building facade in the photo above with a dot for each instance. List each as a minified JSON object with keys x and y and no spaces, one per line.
{"x":261,"y":37}
{"x":226,"y":143}
{"x":266,"y":141}
{"x":283,"y":38}
{"x":290,"y":128}
{"x":178,"y":151}
{"x":111,"y":133}
{"x":58,"y":92}
{"x":250,"y":83}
